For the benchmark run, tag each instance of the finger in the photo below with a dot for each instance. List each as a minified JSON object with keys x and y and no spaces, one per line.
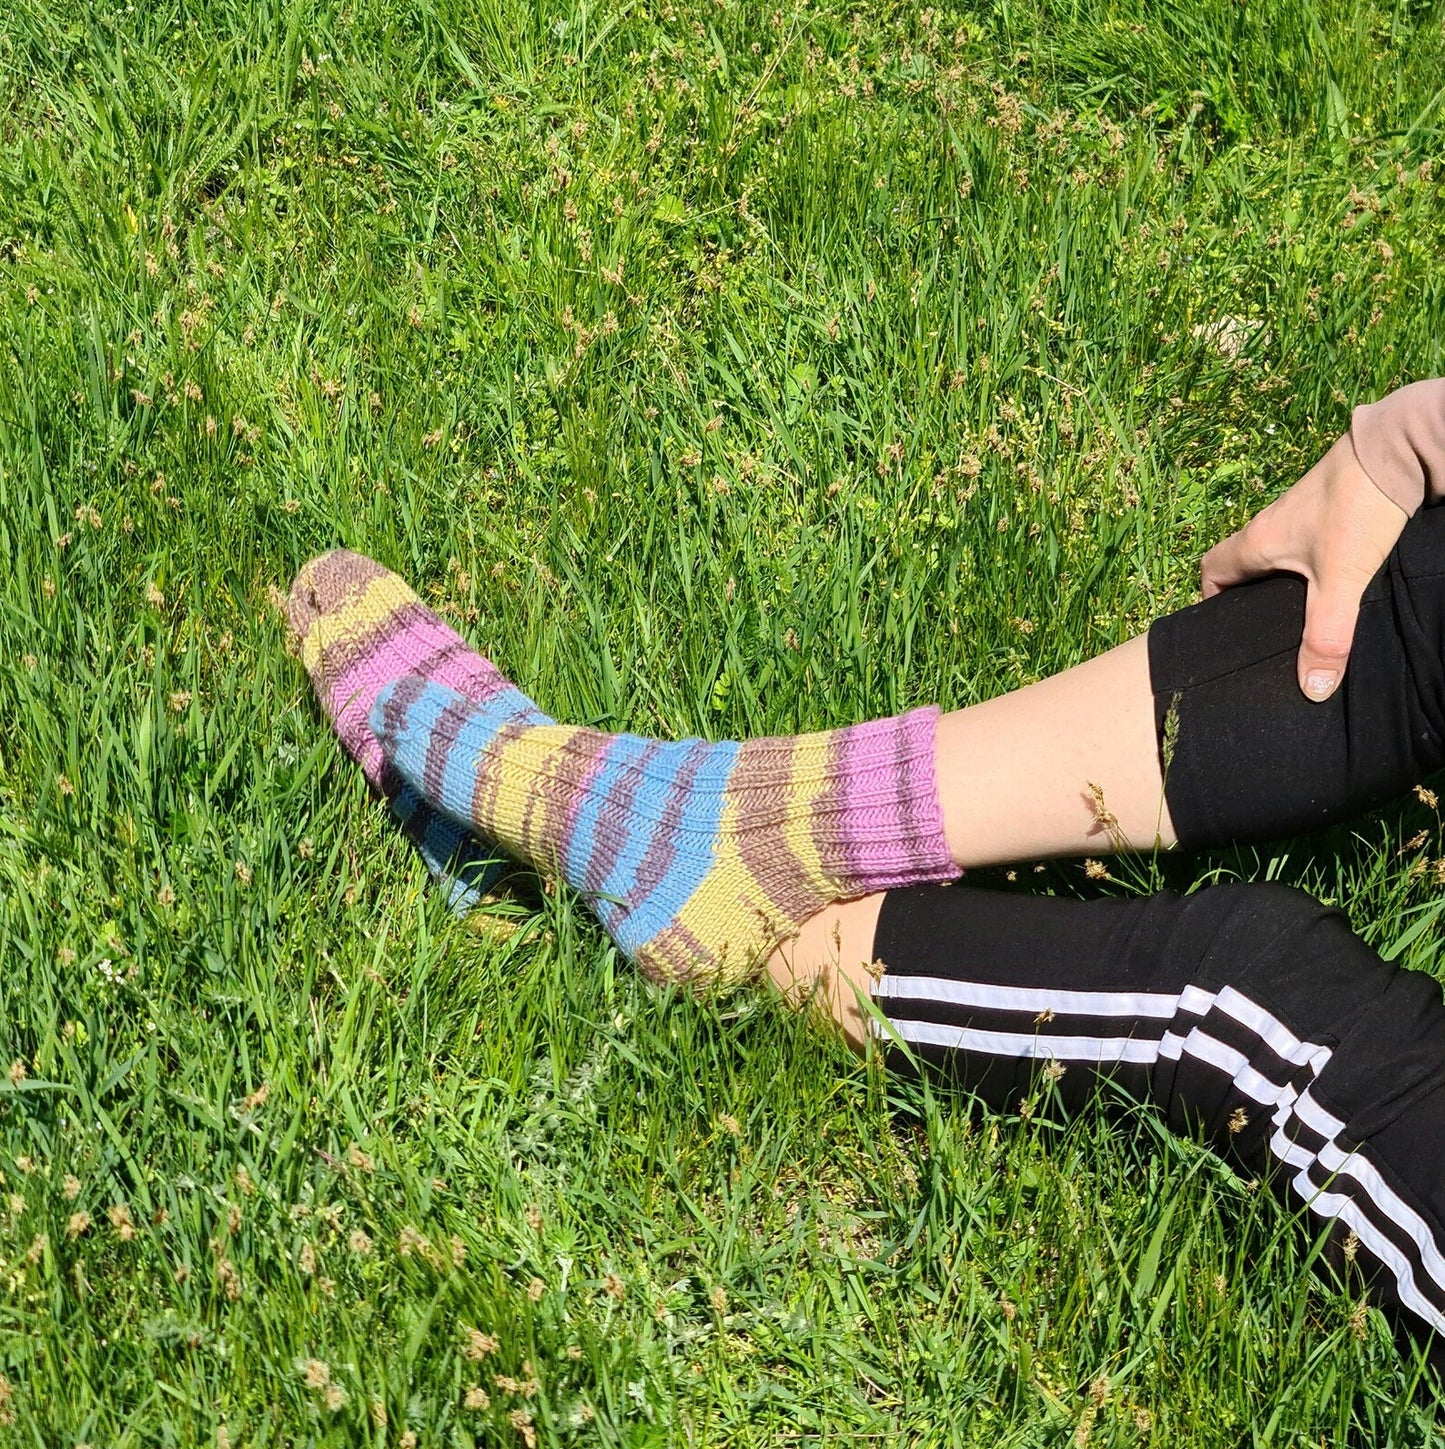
{"x":1331,"y":610}
{"x":1232,"y":561}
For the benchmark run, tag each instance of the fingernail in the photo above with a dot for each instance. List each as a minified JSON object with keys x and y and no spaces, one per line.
{"x":1320,"y":683}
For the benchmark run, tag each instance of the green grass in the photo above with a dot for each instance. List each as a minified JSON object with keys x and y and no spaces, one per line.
{"x":720,"y":366}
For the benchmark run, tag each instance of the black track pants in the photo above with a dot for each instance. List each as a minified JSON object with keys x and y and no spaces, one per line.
{"x":1250,"y":1014}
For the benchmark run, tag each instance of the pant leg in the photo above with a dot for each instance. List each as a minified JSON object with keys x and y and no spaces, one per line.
{"x":1246,"y":756}
{"x":1249,"y":1015}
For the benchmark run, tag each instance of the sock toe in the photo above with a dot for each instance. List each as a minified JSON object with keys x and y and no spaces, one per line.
{"x":359,"y":628}
{"x":357,"y":625}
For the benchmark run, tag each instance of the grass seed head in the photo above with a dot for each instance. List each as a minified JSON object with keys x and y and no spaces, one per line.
{"x":477,"y":1345}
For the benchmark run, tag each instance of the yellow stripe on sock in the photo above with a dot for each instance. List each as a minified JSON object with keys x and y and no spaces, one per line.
{"x":729,"y":900}
{"x":798,"y":835}
{"x":514,"y":771}
{"x":360,"y":616}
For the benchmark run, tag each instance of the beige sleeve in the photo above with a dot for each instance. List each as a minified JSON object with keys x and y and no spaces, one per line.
{"x":1400,"y":442}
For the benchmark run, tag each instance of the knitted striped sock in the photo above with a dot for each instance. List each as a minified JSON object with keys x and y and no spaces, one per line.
{"x":698,"y":858}
{"x":359,"y":627}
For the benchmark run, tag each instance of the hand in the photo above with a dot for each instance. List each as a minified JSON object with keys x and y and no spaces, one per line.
{"x":1334,"y":528}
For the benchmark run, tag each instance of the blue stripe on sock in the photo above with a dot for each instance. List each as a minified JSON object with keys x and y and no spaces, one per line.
{"x":407,"y":747}
{"x":622,"y":753}
{"x":650,"y":799}
{"x":698,"y":829}
{"x":460,"y":862}
{"x":405,"y":803}
{"x":482,"y":726}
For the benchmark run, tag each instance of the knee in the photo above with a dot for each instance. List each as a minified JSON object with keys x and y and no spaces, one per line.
{"x":1289,"y":951}
{"x":1247,"y":917}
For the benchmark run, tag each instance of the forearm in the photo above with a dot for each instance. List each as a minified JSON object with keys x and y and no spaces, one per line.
{"x":1400,"y":442}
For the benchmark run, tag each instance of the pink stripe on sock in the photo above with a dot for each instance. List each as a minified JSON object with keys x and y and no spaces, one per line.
{"x":470,"y":674}
{"x":352,"y":692}
{"x":892,"y":821}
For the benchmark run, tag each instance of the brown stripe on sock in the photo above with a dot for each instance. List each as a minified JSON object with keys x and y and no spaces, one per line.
{"x":673,"y":954}
{"x":561,"y":788}
{"x":615,"y":822}
{"x":763,"y":771}
{"x":398,"y":702}
{"x":428,"y":664}
{"x":482,"y":681}
{"x":440,"y":744}
{"x":488,"y":787}
{"x":330,"y":580}
{"x":551,"y":791}
{"x":770,"y":861}
{"x":770,"y":764}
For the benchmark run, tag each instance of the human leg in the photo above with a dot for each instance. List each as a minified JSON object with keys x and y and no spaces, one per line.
{"x":1249,"y":1015}
{"x":1195,"y":731}
{"x":1197,"y":734}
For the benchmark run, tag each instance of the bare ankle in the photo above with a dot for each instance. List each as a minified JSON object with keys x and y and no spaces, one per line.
{"x":828,"y":966}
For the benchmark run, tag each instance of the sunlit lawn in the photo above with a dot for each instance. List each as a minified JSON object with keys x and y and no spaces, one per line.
{"x":717,"y":368}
